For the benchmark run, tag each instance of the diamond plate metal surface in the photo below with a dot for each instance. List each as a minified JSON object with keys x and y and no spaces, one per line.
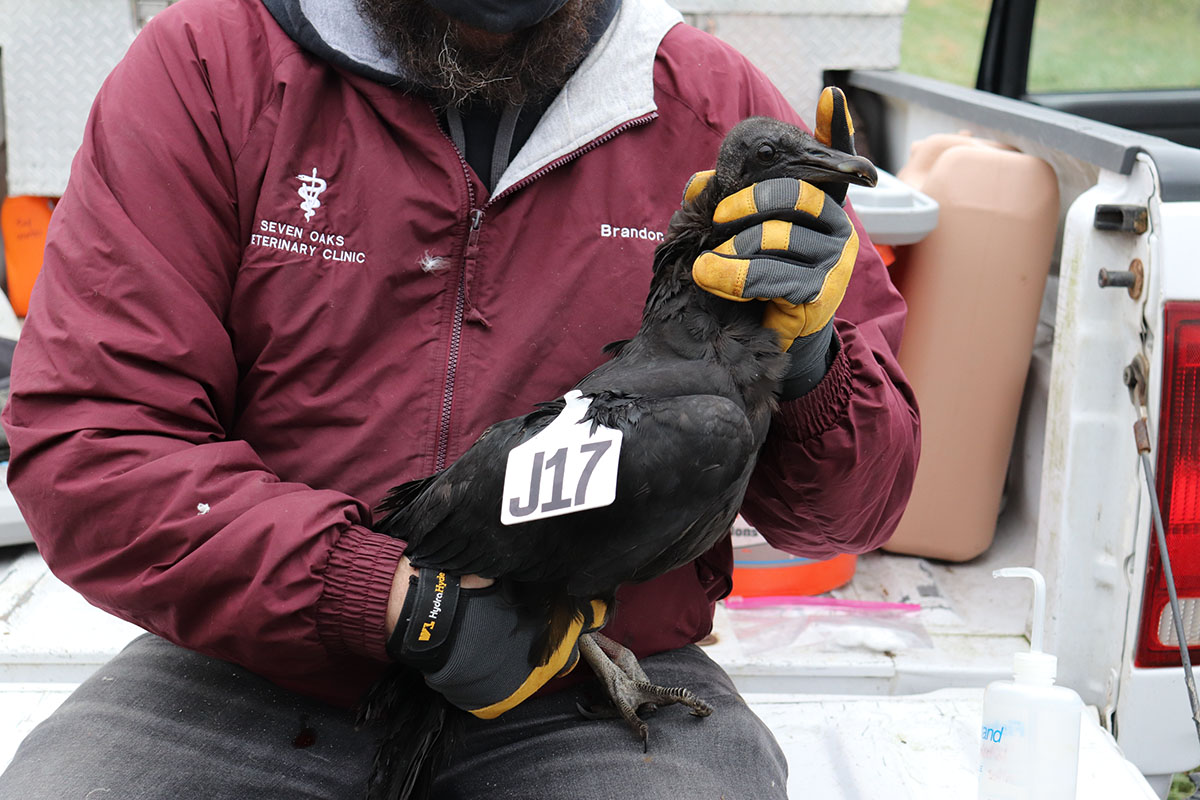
{"x":55,"y":54}
{"x":794,"y":49}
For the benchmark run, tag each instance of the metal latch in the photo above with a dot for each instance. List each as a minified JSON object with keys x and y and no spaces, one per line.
{"x":1117,"y":217}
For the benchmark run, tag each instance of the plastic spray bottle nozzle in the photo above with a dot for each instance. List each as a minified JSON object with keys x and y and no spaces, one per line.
{"x":1034,"y":666}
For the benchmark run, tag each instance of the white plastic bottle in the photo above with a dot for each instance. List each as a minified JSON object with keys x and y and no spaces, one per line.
{"x":1029,"y":747}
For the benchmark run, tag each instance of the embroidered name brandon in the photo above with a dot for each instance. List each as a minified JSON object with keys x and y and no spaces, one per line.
{"x":617,"y":232}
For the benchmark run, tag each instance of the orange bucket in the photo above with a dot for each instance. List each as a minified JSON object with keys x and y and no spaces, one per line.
{"x":760,"y":570}
{"x":24,"y":220}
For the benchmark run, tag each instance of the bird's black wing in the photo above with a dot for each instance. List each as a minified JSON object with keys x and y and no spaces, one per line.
{"x":685,"y":463}
{"x":418,"y":511}
{"x":683,"y":467}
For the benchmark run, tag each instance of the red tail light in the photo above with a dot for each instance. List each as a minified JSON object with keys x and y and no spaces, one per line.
{"x":1178,"y":480}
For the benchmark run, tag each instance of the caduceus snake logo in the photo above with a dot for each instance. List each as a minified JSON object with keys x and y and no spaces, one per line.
{"x":310,"y":188}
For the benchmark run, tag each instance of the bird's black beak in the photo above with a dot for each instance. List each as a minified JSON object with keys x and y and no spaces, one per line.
{"x":860,"y":170}
{"x":825,"y":165}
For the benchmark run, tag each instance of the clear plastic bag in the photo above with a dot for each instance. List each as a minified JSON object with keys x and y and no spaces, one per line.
{"x":814,"y":624}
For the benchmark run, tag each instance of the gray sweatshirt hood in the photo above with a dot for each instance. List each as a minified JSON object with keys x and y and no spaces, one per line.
{"x":334,"y":31}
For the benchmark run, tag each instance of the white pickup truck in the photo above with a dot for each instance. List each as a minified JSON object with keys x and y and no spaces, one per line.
{"x":878,"y":693}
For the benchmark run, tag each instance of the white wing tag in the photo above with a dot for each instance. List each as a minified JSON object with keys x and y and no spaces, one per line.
{"x":563,"y":469}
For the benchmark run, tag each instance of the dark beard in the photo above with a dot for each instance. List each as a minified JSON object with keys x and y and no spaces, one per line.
{"x":435,"y":53}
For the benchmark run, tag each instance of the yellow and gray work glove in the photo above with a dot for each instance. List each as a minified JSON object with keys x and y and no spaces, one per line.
{"x":792,"y":245}
{"x":474,"y":645}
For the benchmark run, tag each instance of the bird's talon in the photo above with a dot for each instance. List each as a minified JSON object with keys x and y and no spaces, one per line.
{"x":631,"y":696}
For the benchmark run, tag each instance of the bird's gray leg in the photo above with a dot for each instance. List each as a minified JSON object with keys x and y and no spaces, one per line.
{"x":621,"y":656}
{"x":628,"y":686}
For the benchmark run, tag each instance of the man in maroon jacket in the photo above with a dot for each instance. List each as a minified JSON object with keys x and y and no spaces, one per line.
{"x":311,"y":250}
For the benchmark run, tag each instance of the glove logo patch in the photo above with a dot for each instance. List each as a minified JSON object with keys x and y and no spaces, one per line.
{"x":434,"y":595}
{"x":435,"y":609}
{"x":563,"y":469}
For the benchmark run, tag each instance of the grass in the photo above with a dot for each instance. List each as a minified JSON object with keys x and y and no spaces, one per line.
{"x":1182,"y":787}
{"x":1078,"y":45}
{"x":942,"y":39}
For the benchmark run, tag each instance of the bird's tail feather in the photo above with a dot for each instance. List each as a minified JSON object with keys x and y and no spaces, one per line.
{"x":421,"y":728}
{"x":400,"y":497}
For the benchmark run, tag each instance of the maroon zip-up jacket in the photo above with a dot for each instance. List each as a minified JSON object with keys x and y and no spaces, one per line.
{"x":274,"y":289}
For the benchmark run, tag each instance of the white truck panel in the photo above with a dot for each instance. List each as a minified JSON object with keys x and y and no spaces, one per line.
{"x":1179,"y":239}
{"x":1089,"y":497}
{"x":1155,"y":720}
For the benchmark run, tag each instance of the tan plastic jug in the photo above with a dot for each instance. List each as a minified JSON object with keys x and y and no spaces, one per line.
{"x":973,"y":286}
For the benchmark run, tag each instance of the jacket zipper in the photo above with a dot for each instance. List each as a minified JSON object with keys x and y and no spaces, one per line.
{"x":460,"y":300}
{"x":475,"y":216}
{"x":574,"y":154}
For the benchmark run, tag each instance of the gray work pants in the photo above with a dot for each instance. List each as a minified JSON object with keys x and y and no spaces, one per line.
{"x":159,"y":721}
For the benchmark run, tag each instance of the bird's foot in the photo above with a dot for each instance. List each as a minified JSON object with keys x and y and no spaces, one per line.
{"x":629,"y":688}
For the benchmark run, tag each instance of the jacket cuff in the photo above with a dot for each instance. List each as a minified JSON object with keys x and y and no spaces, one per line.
{"x":820,"y":409}
{"x":351,"y":614}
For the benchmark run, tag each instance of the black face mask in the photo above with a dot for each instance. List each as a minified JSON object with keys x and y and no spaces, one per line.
{"x":498,"y":16}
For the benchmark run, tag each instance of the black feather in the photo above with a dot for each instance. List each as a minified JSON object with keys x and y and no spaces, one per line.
{"x":400,"y":497}
{"x":420,"y":729}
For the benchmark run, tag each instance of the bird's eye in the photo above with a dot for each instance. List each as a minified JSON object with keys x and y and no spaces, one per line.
{"x":765,"y":154}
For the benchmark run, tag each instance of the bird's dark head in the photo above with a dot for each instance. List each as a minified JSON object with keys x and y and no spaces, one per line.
{"x":756,"y":149}
{"x":760,"y":148}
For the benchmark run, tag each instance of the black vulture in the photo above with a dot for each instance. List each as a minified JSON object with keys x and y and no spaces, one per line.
{"x":691,"y":395}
